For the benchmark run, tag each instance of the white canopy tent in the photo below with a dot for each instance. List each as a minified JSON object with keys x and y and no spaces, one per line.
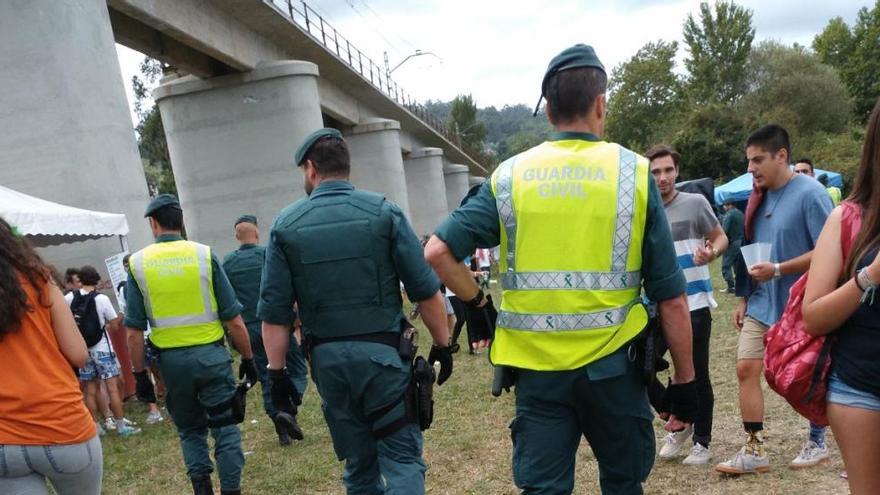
{"x":45,"y":223}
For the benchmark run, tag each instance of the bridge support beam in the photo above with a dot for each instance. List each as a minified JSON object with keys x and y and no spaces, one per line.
{"x":456,"y":178}
{"x":376,"y":160}
{"x":66,"y":129}
{"x":232,"y":141}
{"x":426,"y":187}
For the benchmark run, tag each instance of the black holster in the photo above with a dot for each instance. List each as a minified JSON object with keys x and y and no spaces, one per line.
{"x":503,"y":379}
{"x":420,"y":394}
{"x":649,"y":347}
{"x":230,"y":412}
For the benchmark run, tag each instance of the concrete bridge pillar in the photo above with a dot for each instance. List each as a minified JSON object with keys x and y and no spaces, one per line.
{"x":65,"y":128}
{"x":376,"y":160}
{"x":426,"y":187}
{"x":456,"y":179}
{"x":232,"y":141}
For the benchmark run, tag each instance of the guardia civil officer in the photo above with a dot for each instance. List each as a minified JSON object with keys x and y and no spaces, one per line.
{"x":180,"y":288}
{"x":582,"y":230}
{"x":244,"y":267}
{"x":340,"y":255}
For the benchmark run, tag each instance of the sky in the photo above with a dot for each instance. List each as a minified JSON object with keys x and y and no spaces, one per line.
{"x":497,"y":50}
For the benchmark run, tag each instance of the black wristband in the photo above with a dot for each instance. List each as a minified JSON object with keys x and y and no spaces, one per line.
{"x":475,"y":302}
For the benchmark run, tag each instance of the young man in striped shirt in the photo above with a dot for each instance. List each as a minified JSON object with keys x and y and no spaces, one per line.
{"x":699,"y":239}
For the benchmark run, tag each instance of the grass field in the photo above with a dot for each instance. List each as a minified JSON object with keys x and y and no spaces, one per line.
{"x":468,"y":447}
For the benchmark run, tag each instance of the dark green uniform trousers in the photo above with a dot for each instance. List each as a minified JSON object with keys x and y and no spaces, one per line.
{"x":727,"y":261}
{"x":356,"y":379}
{"x":296,"y":365}
{"x":605,"y":402}
{"x":197,"y":378}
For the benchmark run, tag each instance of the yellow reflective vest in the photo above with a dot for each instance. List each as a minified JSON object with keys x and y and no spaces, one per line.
{"x":834,"y":193}
{"x":572,"y":216}
{"x":175,"y":279}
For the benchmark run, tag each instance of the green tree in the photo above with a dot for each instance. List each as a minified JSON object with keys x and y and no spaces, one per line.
{"x":840,"y":153}
{"x":718,"y":45}
{"x":150,"y":132}
{"x":464,"y":122}
{"x":645,"y":96}
{"x":856,"y":53}
{"x":711,"y":142}
{"x":792,"y":87}
{"x":835,"y":43}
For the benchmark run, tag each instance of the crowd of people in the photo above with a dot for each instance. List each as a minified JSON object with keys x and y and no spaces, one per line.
{"x":582,"y":273}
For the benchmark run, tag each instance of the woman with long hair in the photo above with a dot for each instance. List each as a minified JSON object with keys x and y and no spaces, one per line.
{"x":46,"y":432}
{"x":842,"y":300}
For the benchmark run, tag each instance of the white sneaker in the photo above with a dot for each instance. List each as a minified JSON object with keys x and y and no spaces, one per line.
{"x":811,"y":455}
{"x":154,"y":417}
{"x":674,"y":442}
{"x":699,"y":455}
{"x":750,"y":459}
{"x":109,"y":423}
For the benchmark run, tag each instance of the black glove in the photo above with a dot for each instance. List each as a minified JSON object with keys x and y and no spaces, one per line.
{"x":682,"y":398}
{"x":248,"y":369}
{"x":443,"y":355}
{"x":285,"y":399}
{"x":144,"y":387}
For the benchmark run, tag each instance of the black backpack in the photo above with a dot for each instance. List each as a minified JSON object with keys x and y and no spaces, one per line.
{"x":85,"y":313}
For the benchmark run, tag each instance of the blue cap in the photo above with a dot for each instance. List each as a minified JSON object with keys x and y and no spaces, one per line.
{"x":245,"y":219}
{"x":311,"y":139}
{"x":161,"y":201}
{"x":573,"y":57}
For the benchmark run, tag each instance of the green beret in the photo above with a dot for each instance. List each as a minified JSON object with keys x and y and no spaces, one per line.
{"x":311,"y":139}
{"x":573,"y":57}
{"x":161,"y":201}
{"x":246,"y":219}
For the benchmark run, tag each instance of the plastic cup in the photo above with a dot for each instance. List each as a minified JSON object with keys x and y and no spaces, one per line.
{"x":756,"y":253}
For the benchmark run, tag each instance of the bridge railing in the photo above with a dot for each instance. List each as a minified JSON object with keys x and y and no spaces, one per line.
{"x":326,"y":35}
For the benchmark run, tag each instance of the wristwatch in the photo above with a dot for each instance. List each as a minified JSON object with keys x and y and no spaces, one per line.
{"x":475,"y":302}
{"x":776,"y":270}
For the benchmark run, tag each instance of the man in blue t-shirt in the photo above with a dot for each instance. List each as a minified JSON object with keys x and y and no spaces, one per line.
{"x":789,"y":217}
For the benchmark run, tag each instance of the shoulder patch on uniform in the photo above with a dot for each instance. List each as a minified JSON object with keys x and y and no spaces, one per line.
{"x":292,"y":212}
{"x":366,"y":200}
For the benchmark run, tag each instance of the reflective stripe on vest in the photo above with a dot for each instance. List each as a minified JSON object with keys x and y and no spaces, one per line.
{"x":554,"y":322}
{"x":163,"y":265}
{"x":616,"y":279}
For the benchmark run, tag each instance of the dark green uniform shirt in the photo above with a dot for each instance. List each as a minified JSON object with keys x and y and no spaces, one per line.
{"x":228,"y":306}
{"x":277,"y":292}
{"x":476,"y":224}
{"x":244,"y":268}
{"x":733,"y":224}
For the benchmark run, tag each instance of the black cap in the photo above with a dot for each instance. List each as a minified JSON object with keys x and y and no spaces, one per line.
{"x":311,"y":139}
{"x":573,"y":57}
{"x":161,"y":201}
{"x":245,"y":219}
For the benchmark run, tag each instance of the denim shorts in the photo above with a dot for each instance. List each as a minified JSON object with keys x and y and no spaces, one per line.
{"x":100,"y":364}
{"x":843,"y":394}
{"x":151,"y":357}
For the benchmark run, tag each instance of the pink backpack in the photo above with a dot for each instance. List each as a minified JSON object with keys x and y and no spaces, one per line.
{"x":796,"y":364}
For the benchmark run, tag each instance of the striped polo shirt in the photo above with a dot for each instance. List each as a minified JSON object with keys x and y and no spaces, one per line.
{"x":691,"y":220}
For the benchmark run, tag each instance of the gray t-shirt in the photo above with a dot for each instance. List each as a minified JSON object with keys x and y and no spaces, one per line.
{"x":691,"y":220}
{"x":790,"y":219}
